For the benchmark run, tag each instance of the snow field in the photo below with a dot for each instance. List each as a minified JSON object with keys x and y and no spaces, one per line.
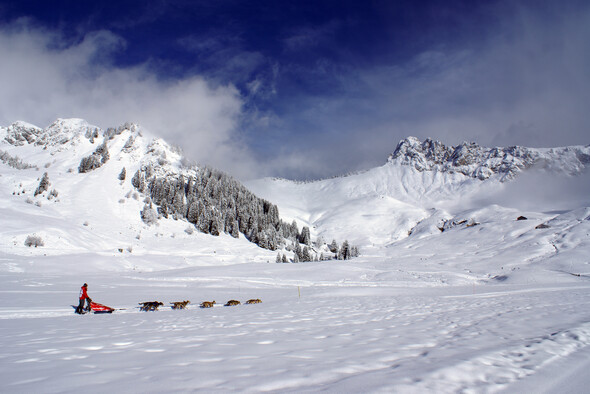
{"x":340,"y":337}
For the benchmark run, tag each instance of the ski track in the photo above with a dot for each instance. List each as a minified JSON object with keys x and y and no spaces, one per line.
{"x":334,"y":339}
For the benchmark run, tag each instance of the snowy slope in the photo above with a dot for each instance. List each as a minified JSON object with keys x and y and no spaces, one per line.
{"x":422,"y":182}
{"x":93,"y":212}
{"x":451,"y":292}
{"x":375,"y":207}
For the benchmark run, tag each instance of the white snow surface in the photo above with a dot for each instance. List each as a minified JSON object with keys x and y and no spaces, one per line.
{"x":490,"y":304}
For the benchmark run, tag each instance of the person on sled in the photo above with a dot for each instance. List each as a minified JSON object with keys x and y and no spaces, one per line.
{"x":83,"y":297}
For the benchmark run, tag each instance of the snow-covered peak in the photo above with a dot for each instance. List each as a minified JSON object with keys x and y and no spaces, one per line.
{"x":163,"y":155}
{"x":20,"y":133}
{"x":19,"y":124}
{"x":60,"y":132}
{"x":128,"y":142}
{"x":69,"y":126}
{"x":480,"y":162}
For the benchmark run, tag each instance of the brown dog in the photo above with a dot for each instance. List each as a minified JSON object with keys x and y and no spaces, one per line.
{"x":254,"y":301}
{"x":207,"y":304}
{"x":232,"y":303}
{"x":180,"y":304}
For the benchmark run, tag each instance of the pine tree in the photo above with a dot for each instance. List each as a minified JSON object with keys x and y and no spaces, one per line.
{"x":295,"y":258}
{"x":344,"y":251}
{"x":138,"y":180}
{"x":203,"y":223}
{"x":253,"y":235}
{"x":95,"y":160}
{"x":262,"y":240}
{"x":273,"y":241}
{"x":235,"y":229}
{"x":193,"y":212}
{"x":148,"y":214}
{"x":305,"y":237}
{"x":306,"y":254}
{"x":179,"y":201}
{"x":278,"y":259}
{"x":284,"y":259}
{"x":294,"y":230}
{"x":43,"y":184}
{"x":319,"y":241}
{"x":122,"y":174}
{"x":163,"y":209}
{"x":214,"y":226}
{"x":129,"y":143}
{"x":298,"y":251}
{"x":333,"y":247}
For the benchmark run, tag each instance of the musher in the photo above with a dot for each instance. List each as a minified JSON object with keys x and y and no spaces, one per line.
{"x":83,"y":297}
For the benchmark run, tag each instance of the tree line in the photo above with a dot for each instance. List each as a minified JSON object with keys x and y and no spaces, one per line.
{"x":215,"y":202}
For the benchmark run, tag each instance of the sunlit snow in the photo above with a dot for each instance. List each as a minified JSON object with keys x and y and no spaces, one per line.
{"x":491,"y":303}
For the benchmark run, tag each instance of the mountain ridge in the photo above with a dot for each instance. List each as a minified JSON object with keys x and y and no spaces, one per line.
{"x":482,"y":163}
{"x":469,"y":159}
{"x":146,"y":181}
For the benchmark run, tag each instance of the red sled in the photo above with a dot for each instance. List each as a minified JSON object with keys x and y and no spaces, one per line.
{"x":100,"y":308}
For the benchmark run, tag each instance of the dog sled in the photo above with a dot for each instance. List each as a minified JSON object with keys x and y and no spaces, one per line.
{"x":96,"y":308}
{"x":100,"y":308}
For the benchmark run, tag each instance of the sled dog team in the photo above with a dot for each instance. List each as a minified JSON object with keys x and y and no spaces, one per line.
{"x":154,"y":305}
{"x":208,"y":304}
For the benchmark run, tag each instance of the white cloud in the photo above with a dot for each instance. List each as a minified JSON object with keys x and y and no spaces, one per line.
{"x":43,"y":77}
{"x":539,"y":190}
{"x":526,"y":83}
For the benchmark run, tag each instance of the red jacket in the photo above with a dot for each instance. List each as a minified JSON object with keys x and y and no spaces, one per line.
{"x":83,"y":294}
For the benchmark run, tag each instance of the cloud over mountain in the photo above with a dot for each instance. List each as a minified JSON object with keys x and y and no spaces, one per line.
{"x":45,"y":76}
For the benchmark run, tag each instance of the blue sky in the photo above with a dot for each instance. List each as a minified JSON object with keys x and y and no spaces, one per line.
{"x":303,"y":89}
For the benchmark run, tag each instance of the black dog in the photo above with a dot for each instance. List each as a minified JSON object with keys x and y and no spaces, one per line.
{"x":150,"y":305}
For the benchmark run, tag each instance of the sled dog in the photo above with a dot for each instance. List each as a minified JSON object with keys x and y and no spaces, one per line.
{"x":207,"y":304}
{"x":180,"y":304}
{"x":254,"y":301}
{"x":232,"y":302}
{"x":150,"y":305}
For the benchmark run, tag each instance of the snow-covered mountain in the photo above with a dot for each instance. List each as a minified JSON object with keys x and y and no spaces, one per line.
{"x":473,"y":273}
{"x":80,"y":175}
{"x":80,"y":189}
{"x":482,"y":163}
{"x":421,"y":182}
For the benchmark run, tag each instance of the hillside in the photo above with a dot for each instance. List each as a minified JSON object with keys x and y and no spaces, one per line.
{"x":81,"y":189}
{"x":425,"y":184}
